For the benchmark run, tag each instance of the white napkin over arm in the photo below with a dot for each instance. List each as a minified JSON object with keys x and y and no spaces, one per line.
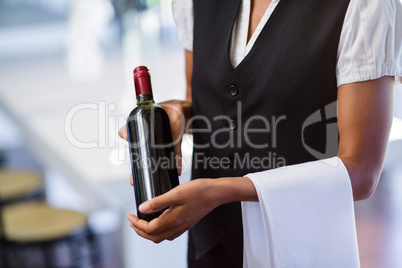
{"x":304,"y":218}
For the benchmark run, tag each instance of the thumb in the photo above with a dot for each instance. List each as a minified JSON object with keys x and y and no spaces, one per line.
{"x":123,"y":132}
{"x":160,"y":202}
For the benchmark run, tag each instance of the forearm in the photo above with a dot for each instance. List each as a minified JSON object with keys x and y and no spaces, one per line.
{"x":233,"y":189}
{"x":364,"y":175}
{"x":189,"y":71}
{"x":187,"y":107}
{"x":364,"y":120}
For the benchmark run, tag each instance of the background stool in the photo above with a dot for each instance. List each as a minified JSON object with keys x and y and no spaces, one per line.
{"x":17,"y":186}
{"x":32,"y":233}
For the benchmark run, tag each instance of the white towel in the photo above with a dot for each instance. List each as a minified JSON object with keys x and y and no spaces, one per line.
{"x":304,"y":218}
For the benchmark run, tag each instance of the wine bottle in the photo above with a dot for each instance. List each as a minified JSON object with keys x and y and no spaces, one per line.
{"x":151,"y":147}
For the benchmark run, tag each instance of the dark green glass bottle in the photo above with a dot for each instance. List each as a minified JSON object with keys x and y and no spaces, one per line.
{"x":151,"y":147}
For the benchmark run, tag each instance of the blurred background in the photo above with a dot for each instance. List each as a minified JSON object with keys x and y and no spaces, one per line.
{"x":65,"y":90}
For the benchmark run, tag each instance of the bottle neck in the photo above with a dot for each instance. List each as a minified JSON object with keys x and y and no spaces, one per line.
{"x":144,"y":98}
{"x":142,"y":84}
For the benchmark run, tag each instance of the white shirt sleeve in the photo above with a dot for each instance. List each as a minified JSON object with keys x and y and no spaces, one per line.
{"x":304,"y":218}
{"x":370,"y":45}
{"x":184,"y":16}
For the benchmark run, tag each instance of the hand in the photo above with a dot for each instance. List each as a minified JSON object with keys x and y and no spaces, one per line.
{"x":186,"y":203}
{"x":178,"y":111}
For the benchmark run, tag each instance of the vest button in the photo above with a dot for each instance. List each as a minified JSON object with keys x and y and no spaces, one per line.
{"x":232,"y":124}
{"x":233,"y":90}
{"x":220,"y":230}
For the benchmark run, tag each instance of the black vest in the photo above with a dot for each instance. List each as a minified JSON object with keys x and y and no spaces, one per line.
{"x":267,"y":112}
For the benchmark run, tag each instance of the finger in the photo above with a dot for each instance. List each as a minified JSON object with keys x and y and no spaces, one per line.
{"x":157,"y":236}
{"x":123,"y":132}
{"x":131,"y":180}
{"x":154,"y":238}
{"x":137,"y":223}
{"x":132,"y":218}
{"x":147,"y":229}
{"x":144,"y":228}
{"x":145,"y":235}
{"x":160,"y":202}
{"x":170,"y":222}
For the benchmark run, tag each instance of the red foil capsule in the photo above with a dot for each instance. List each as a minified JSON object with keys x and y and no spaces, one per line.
{"x":142,"y":81}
